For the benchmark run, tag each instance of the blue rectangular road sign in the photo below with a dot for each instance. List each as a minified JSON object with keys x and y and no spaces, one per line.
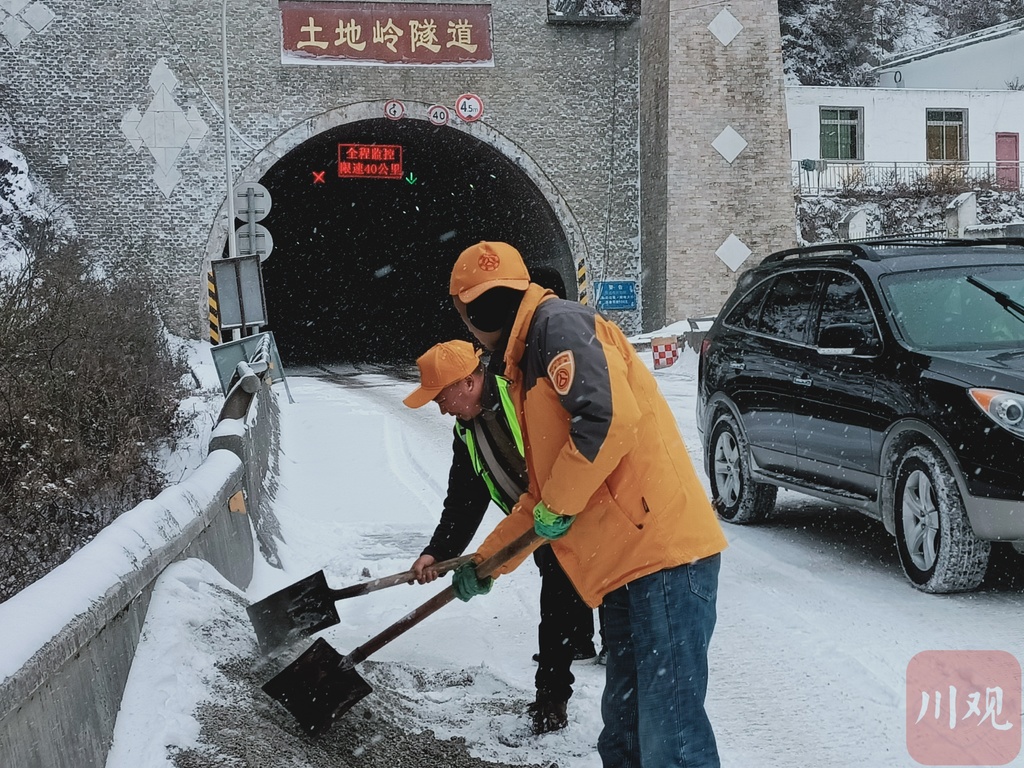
{"x":616,"y":294}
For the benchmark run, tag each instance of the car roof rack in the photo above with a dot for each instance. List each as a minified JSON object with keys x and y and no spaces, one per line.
{"x":852,"y":250}
{"x":865,"y":249}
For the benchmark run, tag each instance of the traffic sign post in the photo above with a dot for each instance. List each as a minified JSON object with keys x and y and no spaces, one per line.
{"x":252,"y":204}
{"x":240,"y":292}
{"x":238,"y":281}
{"x":252,"y":200}
{"x":254,"y":240}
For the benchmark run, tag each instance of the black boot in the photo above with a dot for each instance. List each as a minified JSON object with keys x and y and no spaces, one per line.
{"x":547,"y":715}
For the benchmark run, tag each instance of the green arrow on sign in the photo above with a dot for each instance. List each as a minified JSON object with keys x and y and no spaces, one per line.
{"x":411,"y":179}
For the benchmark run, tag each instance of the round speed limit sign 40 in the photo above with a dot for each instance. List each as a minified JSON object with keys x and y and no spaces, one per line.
{"x":438,"y":114}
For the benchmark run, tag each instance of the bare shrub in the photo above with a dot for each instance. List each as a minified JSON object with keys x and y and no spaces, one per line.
{"x":88,"y":388}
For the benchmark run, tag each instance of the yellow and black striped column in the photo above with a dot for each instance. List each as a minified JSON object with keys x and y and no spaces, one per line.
{"x":214,"y":309}
{"x":581,"y":282}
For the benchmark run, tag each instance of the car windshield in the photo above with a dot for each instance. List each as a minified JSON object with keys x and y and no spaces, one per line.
{"x":959,"y":309}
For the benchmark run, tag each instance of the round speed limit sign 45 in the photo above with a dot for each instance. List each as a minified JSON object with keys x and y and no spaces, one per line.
{"x":469,"y":107}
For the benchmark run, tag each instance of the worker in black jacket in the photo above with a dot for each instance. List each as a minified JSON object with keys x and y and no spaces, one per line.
{"x":487,"y":465}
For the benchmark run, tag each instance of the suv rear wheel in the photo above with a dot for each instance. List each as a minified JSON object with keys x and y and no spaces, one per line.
{"x":738,"y":498}
{"x":938,"y":548}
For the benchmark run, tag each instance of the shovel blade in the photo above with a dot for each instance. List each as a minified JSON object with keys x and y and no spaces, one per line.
{"x":318,"y":687}
{"x":295,"y":612}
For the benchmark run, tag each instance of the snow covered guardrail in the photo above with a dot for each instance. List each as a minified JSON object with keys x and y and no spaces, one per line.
{"x":67,"y":641}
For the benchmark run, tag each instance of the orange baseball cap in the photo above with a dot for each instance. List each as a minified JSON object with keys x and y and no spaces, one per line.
{"x":440,"y":366}
{"x":487,"y":265}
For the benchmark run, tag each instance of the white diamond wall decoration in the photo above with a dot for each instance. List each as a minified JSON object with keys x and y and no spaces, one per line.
{"x":38,"y":16}
{"x":733,"y":252}
{"x":13,"y":7}
{"x":166,"y":182}
{"x":729,"y":144}
{"x":14,"y":31}
{"x":19,"y":18}
{"x":165,"y":129}
{"x":130,"y":128}
{"x":199,"y":128}
{"x":162,"y":76}
{"x":725,"y":27}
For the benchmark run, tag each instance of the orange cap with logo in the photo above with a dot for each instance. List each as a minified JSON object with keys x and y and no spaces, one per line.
{"x":487,"y":265}
{"x":440,"y":366}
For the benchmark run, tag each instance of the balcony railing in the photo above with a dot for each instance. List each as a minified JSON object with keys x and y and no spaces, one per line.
{"x":812,"y":177}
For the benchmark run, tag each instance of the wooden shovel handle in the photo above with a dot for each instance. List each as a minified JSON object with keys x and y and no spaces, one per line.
{"x":485,"y":569}
{"x":399,"y":578}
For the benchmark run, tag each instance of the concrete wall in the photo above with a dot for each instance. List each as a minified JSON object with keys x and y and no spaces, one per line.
{"x":69,"y":639}
{"x":894,"y":119}
{"x":564,"y":96}
{"x":723,"y":87}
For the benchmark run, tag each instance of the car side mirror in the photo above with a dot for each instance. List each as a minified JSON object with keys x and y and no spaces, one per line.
{"x":845,"y":339}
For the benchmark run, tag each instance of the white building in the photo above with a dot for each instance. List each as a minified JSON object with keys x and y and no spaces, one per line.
{"x":904,"y":125}
{"x":989,"y":59}
{"x":953,"y":109}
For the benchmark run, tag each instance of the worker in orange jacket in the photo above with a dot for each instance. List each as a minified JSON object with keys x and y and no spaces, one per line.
{"x":612,"y":487}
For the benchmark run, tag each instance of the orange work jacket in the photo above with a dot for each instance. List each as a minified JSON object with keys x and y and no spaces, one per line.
{"x":601,"y":444}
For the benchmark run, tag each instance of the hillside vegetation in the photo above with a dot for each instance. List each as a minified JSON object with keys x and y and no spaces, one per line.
{"x":89,"y":388}
{"x":836,"y":42}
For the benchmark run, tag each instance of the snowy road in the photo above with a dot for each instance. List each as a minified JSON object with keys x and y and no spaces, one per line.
{"x":816,"y":622}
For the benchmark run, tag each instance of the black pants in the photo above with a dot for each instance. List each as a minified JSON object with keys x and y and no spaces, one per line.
{"x":566,"y":625}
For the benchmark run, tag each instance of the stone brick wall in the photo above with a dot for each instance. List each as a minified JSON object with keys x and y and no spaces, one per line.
{"x":565,"y":97}
{"x":710,"y":86}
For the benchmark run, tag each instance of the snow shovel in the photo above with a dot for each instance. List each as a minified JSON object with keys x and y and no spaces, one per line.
{"x":321,"y":685}
{"x":307,"y":606}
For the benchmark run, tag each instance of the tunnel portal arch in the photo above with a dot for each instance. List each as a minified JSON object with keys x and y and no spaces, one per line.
{"x":359,"y":270}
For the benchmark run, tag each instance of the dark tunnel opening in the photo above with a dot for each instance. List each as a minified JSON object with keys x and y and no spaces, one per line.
{"x":360,"y":266}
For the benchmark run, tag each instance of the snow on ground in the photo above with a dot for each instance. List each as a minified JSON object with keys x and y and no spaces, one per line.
{"x":816,"y":627}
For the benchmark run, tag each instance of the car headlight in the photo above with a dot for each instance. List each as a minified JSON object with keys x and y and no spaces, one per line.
{"x":1004,"y":408}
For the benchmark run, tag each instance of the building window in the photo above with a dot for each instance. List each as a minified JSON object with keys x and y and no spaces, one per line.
{"x":946,"y":134}
{"x":842,"y":133}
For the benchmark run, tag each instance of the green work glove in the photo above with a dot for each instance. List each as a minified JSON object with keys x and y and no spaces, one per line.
{"x":549,"y":525}
{"x":467,"y":585}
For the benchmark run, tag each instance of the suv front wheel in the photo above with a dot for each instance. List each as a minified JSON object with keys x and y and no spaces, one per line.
{"x":738,"y":498}
{"x":938,"y":548}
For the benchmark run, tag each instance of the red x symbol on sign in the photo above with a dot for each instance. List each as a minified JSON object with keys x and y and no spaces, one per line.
{"x":318,"y":177}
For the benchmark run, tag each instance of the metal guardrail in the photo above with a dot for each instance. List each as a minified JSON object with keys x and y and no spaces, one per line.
{"x":826,"y":176}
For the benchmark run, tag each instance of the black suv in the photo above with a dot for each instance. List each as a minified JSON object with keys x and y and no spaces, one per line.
{"x":887,"y":376}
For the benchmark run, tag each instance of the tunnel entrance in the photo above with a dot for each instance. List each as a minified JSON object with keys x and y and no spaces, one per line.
{"x":360,"y":266}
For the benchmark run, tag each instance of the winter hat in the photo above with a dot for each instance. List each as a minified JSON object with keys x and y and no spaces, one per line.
{"x":488,"y":265}
{"x":440,"y":366}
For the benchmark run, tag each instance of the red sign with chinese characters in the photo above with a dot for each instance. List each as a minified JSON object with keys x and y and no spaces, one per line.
{"x":370,"y":161}
{"x":386,"y":33}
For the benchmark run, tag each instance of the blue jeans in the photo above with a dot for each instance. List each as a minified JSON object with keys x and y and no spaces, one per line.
{"x":657,"y":630}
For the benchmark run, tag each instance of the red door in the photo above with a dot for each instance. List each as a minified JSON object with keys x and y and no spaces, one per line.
{"x":1008,"y":161}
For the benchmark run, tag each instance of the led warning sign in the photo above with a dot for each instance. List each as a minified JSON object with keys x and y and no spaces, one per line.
{"x":370,"y":161}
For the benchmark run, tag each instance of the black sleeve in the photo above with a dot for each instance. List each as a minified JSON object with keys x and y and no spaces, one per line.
{"x":464,"y":507}
{"x":564,"y":336}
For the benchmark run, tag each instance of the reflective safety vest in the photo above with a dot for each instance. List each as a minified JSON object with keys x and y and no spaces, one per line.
{"x":501,"y":486}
